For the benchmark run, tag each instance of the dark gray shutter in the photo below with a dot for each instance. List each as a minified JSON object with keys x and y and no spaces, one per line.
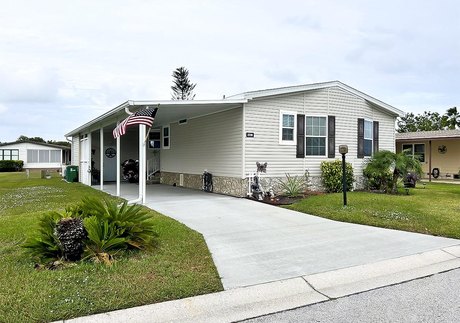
{"x":331,"y":136}
{"x":300,"y":136}
{"x":376,"y":136}
{"x":360,"y":138}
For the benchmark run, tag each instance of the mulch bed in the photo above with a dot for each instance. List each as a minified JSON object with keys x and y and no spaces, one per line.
{"x":286,"y":200}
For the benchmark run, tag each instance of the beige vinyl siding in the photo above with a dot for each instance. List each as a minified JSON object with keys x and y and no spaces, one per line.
{"x":262,"y":118}
{"x":448,"y":163}
{"x":210,"y":142}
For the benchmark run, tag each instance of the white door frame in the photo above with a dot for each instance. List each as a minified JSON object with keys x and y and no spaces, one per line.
{"x":85,"y":159}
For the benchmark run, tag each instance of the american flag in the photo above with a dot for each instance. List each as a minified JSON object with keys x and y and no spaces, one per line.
{"x":144,"y":116}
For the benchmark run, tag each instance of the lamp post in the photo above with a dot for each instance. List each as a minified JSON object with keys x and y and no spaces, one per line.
{"x":343,"y":149}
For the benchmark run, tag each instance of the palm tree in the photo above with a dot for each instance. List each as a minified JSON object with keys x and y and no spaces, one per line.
{"x":453,"y":120}
{"x":385,"y":168}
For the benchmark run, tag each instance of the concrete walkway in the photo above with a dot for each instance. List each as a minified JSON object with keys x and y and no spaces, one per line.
{"x":254,"y":243}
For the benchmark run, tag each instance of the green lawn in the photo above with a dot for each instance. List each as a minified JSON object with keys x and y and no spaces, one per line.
{"x":180,"y":266}
{"x":434,"y":209}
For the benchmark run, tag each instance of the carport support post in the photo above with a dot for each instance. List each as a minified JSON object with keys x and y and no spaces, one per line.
{"x":101,"y":158}
{"x":118,"y":163}
{"x":142,"y":161}
{"x":429,"y":164}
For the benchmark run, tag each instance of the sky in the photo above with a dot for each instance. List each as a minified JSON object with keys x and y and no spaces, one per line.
{"x":63,"y":63}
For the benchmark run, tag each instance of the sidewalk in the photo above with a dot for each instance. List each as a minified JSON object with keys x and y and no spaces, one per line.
{"x":252,"y":301}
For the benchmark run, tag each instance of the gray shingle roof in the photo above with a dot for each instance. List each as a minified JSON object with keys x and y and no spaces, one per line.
{"x":437,"y":134}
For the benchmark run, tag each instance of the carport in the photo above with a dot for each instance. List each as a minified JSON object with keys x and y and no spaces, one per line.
{"x":253,"y":243}
{"x":95,"y":143}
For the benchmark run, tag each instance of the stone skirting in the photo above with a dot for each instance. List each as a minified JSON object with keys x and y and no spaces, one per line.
{"x":238,"y":187}
{"x":221,"y":184}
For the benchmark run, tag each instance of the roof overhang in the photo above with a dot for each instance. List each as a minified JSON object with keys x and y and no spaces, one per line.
{"x":418,"y":139}
{"x":168,"y":112}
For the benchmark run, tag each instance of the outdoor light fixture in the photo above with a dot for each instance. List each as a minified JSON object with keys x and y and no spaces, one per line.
{"x":343,"y":149}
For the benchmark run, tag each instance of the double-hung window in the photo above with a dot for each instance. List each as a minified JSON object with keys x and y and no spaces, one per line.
{"x":368,"y":137}
{"x":316,"y":134}
{"x":287,"y":128}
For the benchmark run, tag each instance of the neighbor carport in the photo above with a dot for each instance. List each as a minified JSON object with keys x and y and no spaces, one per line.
{"x":253,"y":243}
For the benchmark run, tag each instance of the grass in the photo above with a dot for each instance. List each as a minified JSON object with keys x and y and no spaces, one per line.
{"x":433,"y":210}
{"x":180,"y":266}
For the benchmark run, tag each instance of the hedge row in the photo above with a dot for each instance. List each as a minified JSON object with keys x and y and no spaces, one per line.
{"x":11,"y":165}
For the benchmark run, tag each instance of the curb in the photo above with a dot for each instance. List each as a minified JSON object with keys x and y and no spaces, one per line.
{"x":257,"y":300}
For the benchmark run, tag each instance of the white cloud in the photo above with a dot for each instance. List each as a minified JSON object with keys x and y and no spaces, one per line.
{"x":3,"y":109}
{"x":77,"y":59}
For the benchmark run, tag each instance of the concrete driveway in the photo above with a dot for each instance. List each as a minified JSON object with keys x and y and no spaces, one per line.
{"x":253,"y":243}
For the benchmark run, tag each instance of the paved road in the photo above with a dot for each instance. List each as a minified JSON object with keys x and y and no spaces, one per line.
{"x":432,"y":299}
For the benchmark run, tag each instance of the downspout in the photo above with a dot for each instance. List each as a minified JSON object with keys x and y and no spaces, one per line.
{"x":429,"y":164}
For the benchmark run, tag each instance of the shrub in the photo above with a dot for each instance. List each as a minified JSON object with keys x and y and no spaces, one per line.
{"x":331,"y":175}
{"x":385,"y":168}
{"x":293,"y":186}
{"x":11,"y":165}
{"x":94,"y":227}
{"x":103,"y":237}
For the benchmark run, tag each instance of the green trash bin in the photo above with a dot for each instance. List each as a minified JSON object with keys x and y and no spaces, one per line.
{"x":71,"y":174}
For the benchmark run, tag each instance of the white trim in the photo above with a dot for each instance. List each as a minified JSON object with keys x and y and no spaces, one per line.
{"x":413,"y":149}
{"x":101,"y":158}
{"x":326,"y":135}
{"x":372,"y":138}
{"x":243,"y":136}
{"x":168,"y":136}
{"x":292,"y":142}
{"x":118,"y":140}
{"x":156,"y":130}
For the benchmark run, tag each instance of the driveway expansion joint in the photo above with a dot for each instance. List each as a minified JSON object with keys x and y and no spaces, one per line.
{"x":313,"y":287}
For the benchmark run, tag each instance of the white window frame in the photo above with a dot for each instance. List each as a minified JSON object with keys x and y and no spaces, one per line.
{"x":292,"y":142}
{"x":365,"y":138}
{"x":163,"y":137}
{"x":325,"y":136}
{"x":40,"y":159}
{"x":159,"y":131}
{"x":412,"y":154}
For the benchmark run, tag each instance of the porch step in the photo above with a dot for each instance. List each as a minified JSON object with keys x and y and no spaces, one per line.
{"x":155,"y":180}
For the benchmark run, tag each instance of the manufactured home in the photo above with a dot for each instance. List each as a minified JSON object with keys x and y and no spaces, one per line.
{"x":293,"y":129}
{"x":36,"y":155}
{"x":438,"y":151}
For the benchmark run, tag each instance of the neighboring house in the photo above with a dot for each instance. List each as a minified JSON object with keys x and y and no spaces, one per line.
{"x":439,"y":150}
{"x":35,"y":154}
{"x":293,"y":129}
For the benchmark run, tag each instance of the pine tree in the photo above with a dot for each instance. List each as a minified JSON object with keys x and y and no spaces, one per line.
{"x":182,"y":88}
